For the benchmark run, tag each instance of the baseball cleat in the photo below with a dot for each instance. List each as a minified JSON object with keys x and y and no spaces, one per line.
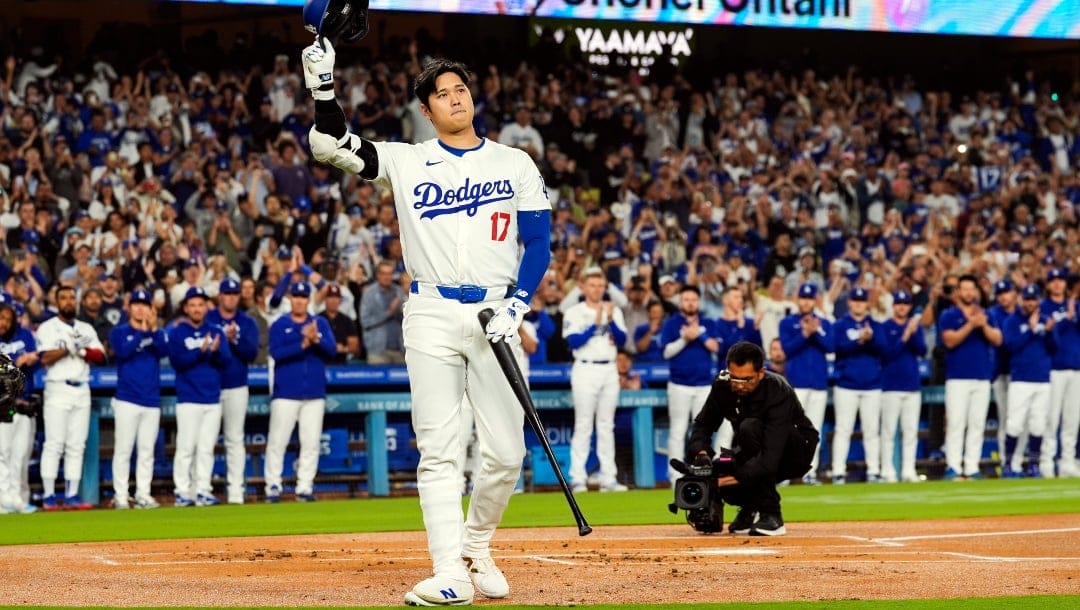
{"x":146,"y":503}
{"x":743,"y":522}
{"x":579,"y":488}
{"x":26,"y":509}
{"x":49,"y":503}
{"x":273,"y":495}
{"x":440,"y":591}
{"x":206,"y":500}
{"x":616,"y":486}
{"x":182,"y":502}
{"x":76,"y":503}
{"x":121,"y":504}
{"x":305,"y":497}
{"x":769,"y":524}
{"x":486,"y":577}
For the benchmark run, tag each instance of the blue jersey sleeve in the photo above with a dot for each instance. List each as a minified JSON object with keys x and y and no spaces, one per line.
{"x":534,"y":229}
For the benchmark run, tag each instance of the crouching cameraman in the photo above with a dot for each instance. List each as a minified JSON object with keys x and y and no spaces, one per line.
{"x":774,"y":441}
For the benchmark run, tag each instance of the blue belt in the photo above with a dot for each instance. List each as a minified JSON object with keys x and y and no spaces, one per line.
{"x":466,"y":293}
{"x":73,"y":383}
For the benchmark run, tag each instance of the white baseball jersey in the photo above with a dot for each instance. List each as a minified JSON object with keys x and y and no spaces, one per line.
{"x":458,"y":215}
{"x":54,"y":333}
{"x":601,"y":345}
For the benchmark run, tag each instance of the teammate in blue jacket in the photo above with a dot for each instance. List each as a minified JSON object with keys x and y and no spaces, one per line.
{"x":901,"y":388}
{"x":689,"y":341}
{"x":969,"y":338}
{"x":138,"y":347}
{"x":300,"y":345}
{"x":242,"y":333}
{"x":733,"y":324}
{"x":1030,"y":337}
{"x":859,"y":345}
{"x":17,"y":436}
{"x":1064,"y":411}
{"x":200,"y":353}
{"x":1006,"y":297}
{"x":807,"y":339}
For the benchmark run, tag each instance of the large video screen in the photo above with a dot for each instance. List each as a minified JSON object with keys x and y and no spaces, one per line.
{"x":1017,"y":18}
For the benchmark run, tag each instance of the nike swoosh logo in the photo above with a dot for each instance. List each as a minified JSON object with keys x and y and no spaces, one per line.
{"x":430,"y":163}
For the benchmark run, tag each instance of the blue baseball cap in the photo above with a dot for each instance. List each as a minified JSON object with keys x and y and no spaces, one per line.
{"x":808,"y":291}
{"x":1001,"y":286}
{"x":858,"y":293}
{"x":229,"y":286}
{"x":193,"y":293}
{"x":901,"y":297}
{"x":1031,"y":291}
{"x":300,"y":289}
{"x":141,"y":296}
{"x":356,"y":210}
{"x":284,"y":253}
{"x":1057,"y":273}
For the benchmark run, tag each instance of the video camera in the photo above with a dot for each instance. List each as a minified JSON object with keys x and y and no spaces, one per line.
{"x":29,"y":408}
{"x":697,"y":493}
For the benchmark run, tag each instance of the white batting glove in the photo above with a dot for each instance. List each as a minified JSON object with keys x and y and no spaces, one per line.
{"x":318,"y":60}
{"x":339,"y":153}
{"x":504,"y":325}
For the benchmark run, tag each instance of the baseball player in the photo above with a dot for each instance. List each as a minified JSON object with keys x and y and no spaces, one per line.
{"x":594,"y":329}
{"x":807,"y":339}
{"x":1064,"y":411}
{"x":859,"y":344}
{"x":1030,"y":338}
{"x":969,"y":338}
{"x":689,"y":342}
{"x":733,"y":324}
{"x":475,"y":233}
{"x":242,"y":333}
{"x":200,"y":353}
{"x":901,"y":388}
{"x":67,"y":347}
{"x":17,"y":436}
{"x":300,"y":346}
{"x":138,"y":346}
{"x":1005,"y":295}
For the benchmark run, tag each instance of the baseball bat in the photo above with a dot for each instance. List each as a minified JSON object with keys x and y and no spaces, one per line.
{"x":510,"y":369}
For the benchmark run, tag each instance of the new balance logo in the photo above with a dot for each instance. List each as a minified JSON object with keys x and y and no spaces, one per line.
{"x":448,"y":594}
{"x":430,"y":163}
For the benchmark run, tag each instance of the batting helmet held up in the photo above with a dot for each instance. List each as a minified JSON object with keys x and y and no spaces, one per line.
{"x":345,"y":20}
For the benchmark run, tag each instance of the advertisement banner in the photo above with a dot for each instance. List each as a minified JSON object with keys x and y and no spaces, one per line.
{"x":1016,"y":18}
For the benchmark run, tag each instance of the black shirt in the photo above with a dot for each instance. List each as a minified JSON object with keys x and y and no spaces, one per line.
{"x":343,"y":328}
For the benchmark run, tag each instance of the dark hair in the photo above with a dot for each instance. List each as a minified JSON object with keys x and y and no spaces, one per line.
{"x":744,"y":352}
{"x":967,"y":277}
{"x":425,"y":81}
{"x":690,"y":288}
{"x":63,"y":288}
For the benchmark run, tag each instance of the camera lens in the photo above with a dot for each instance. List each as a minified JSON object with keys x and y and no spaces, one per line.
{"x":692,"y":494}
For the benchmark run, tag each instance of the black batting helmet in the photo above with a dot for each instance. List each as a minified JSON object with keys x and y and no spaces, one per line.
{"x":345,"y":20}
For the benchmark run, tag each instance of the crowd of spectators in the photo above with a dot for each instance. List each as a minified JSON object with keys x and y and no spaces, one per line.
{"x":165,"y":178}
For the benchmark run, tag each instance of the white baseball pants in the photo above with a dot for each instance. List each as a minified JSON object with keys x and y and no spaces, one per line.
{"x":902,"y":408}
{"x":197,"y":429}
{"x":846,"y":405}
{"x":966,"y":404}
{"x":16,"y":446}
{"x":234,"y":404}
{"x":684,"y":404}
{"x":447,"y":355}
{"x":1028,"y":404}
{"x":1063,"y":417}
{"x":595,"y":388}
{"x":66,"y":413}
{"x":1000,"y":389}
{"x":814,"y":403}
{"x":286,"y":414}
{"x":135,"y":426}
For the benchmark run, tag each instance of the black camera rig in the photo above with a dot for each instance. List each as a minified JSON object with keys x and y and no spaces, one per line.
{"x":696,"y":492}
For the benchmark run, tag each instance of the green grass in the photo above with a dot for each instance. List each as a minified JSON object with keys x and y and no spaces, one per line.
{"x":933,"y":500}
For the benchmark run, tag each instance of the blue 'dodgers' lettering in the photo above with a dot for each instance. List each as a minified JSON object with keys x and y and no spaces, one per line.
{"x":466,"y":198}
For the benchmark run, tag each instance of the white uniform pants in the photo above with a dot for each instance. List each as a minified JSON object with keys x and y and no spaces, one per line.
{"x":66,"y":413}
{"x":447,"y":355}
{"x":1064,"y":418}
{"x":684,"y":404}
{"x":595,"y":388}
{"x":16,"y":445}
{"x":966,"y":404}
{"x":197,"y":429}
{"x":1000,"y":388}
{"x":902,"y":408}
{"x":135,"y":426}
{"x":846,"y":405}
{"x":234,"y":404}
{"x":1028,"y":404}
{"x":286,"y":414}
{"x":814,"y":403}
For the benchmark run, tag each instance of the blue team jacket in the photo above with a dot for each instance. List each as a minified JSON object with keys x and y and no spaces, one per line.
{"x":244,"y":349}
{"x":858,"y":365}
{"x":198,"y":373}
{"x":900,"y":360}
{"x":1066,"y":334}
{"x":1030,"y":348}
{"x":300,"y":374}
{"x":806,"y":365}
{"x":138,"y":355}
{"x":998,"y":315}
{"x":971,"y":359}
{"x":692,"y":366}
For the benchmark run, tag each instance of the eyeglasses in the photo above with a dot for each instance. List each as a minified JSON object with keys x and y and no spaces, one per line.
{"x":741,"y":380}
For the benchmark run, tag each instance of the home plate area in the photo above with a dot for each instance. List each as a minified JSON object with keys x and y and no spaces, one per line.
{"x":655,"y":564}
